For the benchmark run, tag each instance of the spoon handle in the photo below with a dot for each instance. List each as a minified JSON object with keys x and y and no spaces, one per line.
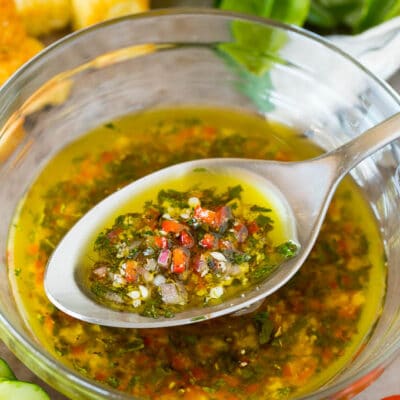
{"x":356,"y":150}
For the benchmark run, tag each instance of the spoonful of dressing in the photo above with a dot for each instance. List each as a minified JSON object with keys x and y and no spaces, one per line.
{"x":199,"y":239}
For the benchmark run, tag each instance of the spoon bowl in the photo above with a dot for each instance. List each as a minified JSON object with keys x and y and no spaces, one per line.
{"x":305,"y":188}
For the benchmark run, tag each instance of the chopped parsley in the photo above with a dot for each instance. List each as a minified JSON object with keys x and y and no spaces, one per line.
{"x":187,"y":249}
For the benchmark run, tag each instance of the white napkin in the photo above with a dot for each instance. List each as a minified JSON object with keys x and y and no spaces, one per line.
{"x":378,"y":48}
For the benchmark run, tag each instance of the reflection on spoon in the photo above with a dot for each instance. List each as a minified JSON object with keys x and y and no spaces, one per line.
{"x":302,"y":190}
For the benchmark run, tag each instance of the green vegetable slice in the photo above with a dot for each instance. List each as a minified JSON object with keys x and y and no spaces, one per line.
{"x":379,"y":11}
{"x":320,"y":17}
{"x":256,"y":47}
{"x":289,"y":11}
{"x":5,"y":371}
{"x":16,"y":390}
{"x":262,"y":8}
{"x":351,"y":15}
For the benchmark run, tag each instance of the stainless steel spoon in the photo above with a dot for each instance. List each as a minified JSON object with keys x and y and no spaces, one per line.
{"x":307,"y":186}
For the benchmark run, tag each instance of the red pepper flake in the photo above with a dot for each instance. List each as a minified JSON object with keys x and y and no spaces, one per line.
{"x":209,"y":241}
{"x":253,"y":227}
{"x":180,"y":259}
{"x":131,"y":271}
{"x":107,"y":156}
{"x":186,"y":239}
{"x":181,"y":362}
{"x":209,"y":132}
{"x":161,"y":242}
{"x":172,"y":226}
{"x":100,"y":376}
{"x":204,"y":215}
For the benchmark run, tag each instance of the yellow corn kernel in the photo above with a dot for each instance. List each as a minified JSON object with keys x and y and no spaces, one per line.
{"x":89,"y":12}
{"x":42,"y":17}
{"x":15,"y":46}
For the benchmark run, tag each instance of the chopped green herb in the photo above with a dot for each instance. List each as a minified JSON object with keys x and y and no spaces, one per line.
{"x":134,"y":345}
{"x":234,"y":192}
{"x":288,"y":249}
{"x":263,"y":220}
{"x":110,"y":125}
{"x":113,"y":381}
{"x":193,"y":250}
{"x":262,"y":272}
{"x":260,"y":209}
{"x":225,"y":355}
{"x":265,"y":327}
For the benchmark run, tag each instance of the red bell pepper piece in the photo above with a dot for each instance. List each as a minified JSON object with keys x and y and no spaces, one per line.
{"x":172,"y":226}
{"x":180,"y":259}
{"x":204,"y":215}
{"x":161,"y":242}
{"x":209,"y":241}
{"x":131,"y":271}
{"x":253,"y":227}
{"x":186,"y":239}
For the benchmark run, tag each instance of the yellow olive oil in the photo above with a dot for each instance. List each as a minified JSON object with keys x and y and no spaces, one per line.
{"x":299,"y":339}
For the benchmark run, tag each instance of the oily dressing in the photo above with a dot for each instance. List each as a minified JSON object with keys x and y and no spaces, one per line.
{"x":301,"y":336}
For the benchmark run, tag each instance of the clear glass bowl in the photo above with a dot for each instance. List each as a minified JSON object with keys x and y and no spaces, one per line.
{"x":171,"y":58}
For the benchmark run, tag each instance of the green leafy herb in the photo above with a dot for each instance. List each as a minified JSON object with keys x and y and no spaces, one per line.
{"x":113,"y":381}
{"x":234,"y":192}
{"x":102,"y":242}
{"x":262,"y":272}
{"x":134,"y":345}
{"x":289,"y":11}
{"x":259,"y":209}
{"x":265,"y":327}
{"x":151,"y":309}
{"x":284,"y":392}
{"x":263,"y":221}
{"x":110,"y":125}
{"x":240,"y":258}
{"x":353,"y":16}
{"x":135,"y":380}
{"x":175,"y":197}
{"x":168,"y":313}
{"x":328,"y":16}
{"x":288,"y":249}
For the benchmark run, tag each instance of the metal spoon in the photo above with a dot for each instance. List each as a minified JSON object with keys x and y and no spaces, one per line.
{"x":307,"y":186}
